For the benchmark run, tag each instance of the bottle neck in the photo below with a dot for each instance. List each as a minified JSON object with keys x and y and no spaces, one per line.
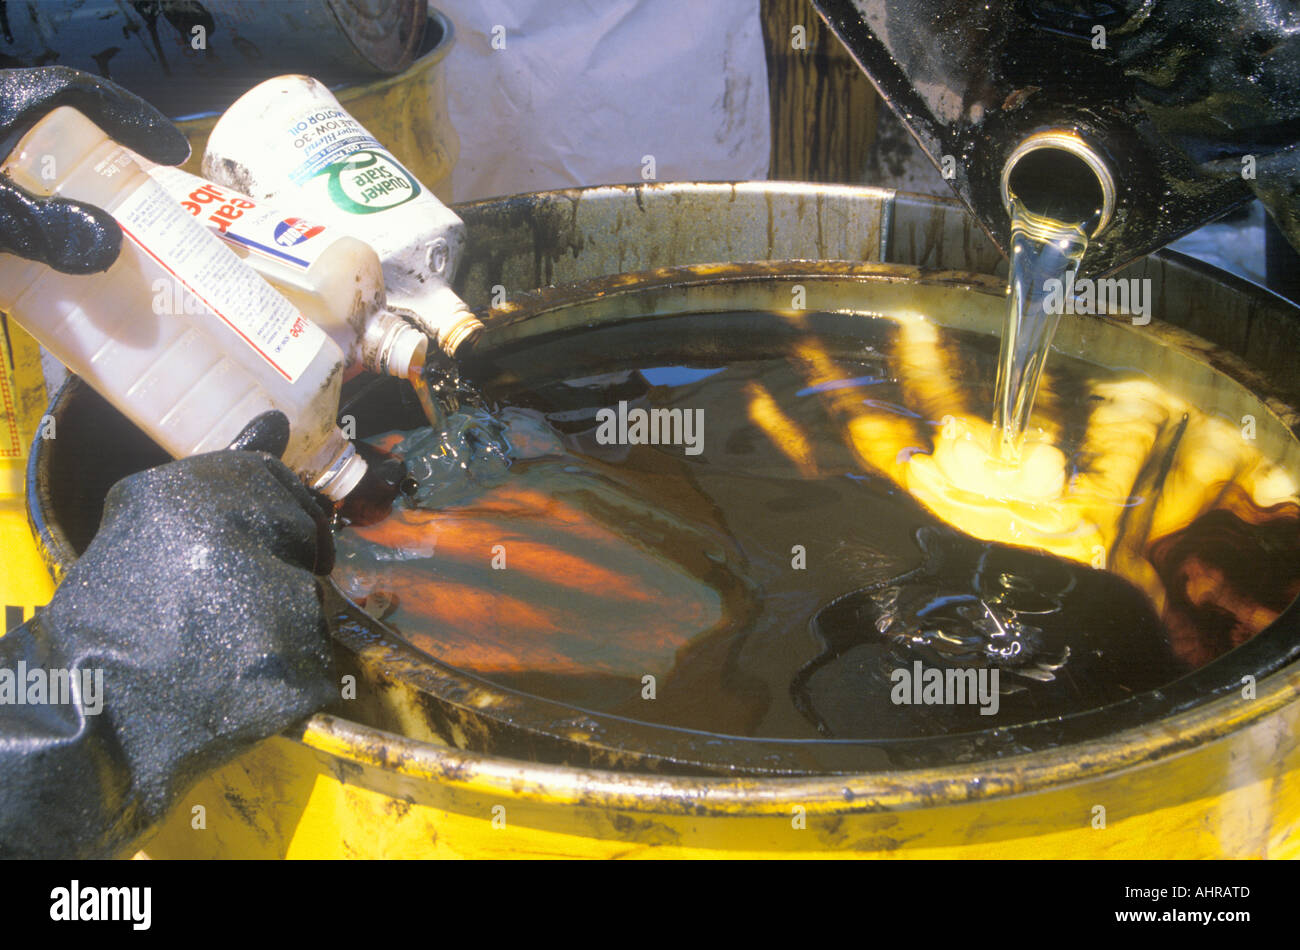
{"x":391,"y":345}
{"x":345,"y":470}
{"x":435,"y":309}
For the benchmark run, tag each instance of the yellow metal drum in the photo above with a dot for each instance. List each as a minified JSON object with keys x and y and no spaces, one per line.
{"x":25,"y":583}
{"x":1217,"y":778}
{"x":1221,"y":782}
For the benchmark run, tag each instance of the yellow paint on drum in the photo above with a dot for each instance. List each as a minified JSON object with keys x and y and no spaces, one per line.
{"x":1223,"y":781}
{"x":25,"y":582}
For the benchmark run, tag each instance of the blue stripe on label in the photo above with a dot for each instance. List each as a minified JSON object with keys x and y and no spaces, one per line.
{"x":268,"y":251}
{"x":348,"y":142}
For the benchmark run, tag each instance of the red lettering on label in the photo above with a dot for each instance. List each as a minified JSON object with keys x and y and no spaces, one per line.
{"x":222,"y":217}
{"x":206,"y":194}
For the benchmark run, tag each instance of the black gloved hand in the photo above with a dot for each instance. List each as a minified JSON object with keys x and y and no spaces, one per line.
{"x":69,"y":236}
{"x":196,"y":600}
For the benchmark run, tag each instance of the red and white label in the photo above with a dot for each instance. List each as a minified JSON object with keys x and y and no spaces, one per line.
{"x":222,"y":282}
{"x":239,"y":220}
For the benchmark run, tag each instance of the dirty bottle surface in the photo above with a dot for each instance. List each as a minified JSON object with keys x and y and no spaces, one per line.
{"x":336,"y":280}
{"x":179,"y":334}
{"x":289,"y":139}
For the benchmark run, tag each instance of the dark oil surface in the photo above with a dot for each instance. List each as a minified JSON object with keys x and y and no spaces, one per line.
{"x":747,"y":595}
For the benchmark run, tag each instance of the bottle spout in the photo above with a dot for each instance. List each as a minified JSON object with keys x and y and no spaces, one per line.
{"x":1057,"y":175}
{"x":440,"y":313}
{"x":391,"y":345}
{"x":1118,"y":74}
{"x":344,"y":473}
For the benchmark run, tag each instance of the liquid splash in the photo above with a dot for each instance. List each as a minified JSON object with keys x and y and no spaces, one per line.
{"x":1061,"y":637}
{"x":441,"y":389}
{"x":465,"y":445}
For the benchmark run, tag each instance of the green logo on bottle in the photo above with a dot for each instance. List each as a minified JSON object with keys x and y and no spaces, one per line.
{"x":366,"y":182}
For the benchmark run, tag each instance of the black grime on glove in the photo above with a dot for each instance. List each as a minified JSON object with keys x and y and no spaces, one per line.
{"x":69,"y":236}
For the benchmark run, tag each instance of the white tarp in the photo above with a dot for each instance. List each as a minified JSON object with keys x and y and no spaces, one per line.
{"x":583,"y":92}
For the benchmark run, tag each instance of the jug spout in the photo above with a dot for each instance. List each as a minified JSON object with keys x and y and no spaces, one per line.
{"x":1191,"y":106}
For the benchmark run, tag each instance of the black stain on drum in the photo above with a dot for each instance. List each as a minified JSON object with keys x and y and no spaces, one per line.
{"x":9,"y":343}
{"x":546,"y":231}
{"x":346,"y":772}
{"x":148,"y":11}
{"x":247,"y":811}
{"x":646,"y":831}
{"x":183,"y":17}
{"x":102,"y":57}
{"x":248,"y":49}
{"x":186,"y":15}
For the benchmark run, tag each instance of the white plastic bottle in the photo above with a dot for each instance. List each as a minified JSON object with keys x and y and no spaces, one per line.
{"x":179,"y":334}
{"x":288,"y":139}
{"x":335,"y":280}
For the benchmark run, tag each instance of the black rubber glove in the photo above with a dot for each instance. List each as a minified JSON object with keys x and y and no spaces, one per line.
{"x":197,"y":602}
{"x":68,"y":236}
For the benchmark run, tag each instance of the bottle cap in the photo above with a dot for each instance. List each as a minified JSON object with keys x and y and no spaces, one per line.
{"x":343,"y":475}
{"x":440,"y":313}
{"x":460,"y":331}
{"x":393,"y":346}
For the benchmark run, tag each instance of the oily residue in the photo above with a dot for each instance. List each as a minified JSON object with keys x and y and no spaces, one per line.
{"x":773,"y":585}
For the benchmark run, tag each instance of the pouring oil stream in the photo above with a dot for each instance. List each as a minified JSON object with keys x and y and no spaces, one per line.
{"x":1058,"y":192}
{"x":1042,"y":249}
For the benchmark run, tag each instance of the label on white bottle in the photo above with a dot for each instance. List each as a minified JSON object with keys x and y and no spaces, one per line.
{"x":368,"y":181}
{"x":223,"y":283}
{"x":358,"y":174}
{"x":240,"y":220}
{"x":323,"y":136}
